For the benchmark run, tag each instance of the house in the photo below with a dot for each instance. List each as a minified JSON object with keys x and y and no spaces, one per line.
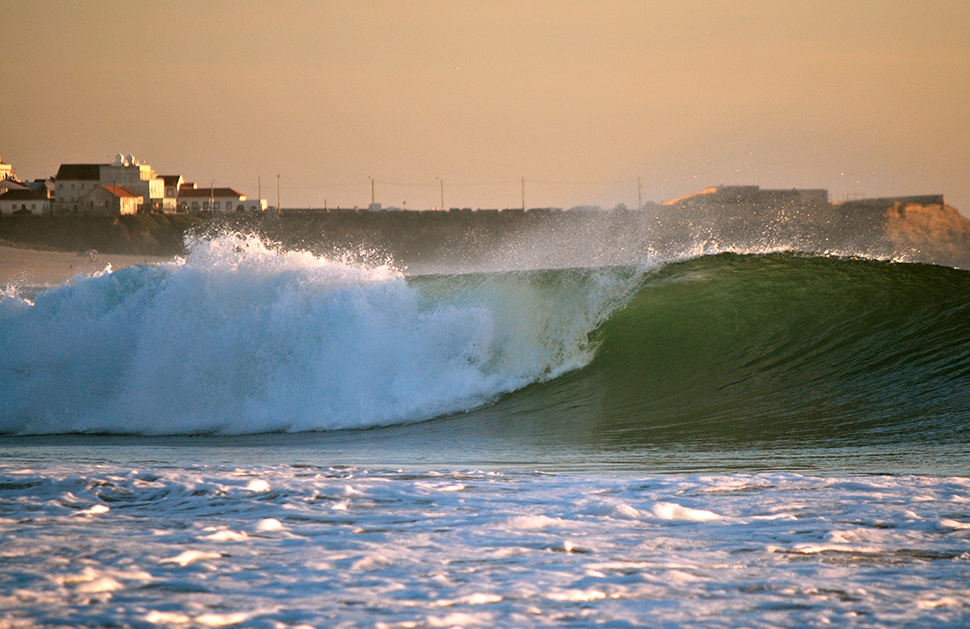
{"x":172,"y":185}
{"x":73,"y":182}
{"x":43,"y":185}
{"x":139,"y":178}
{"x":25,"y":202}
{"x":6,"y":171}
{"x":193,"y":199}
{"x":7,"y":185}
{"x":110,"y":200}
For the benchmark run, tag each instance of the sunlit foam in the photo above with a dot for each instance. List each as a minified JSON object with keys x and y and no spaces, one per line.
{"x":239,"y":338}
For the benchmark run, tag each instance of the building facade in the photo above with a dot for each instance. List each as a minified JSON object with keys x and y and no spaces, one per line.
{"x":192,"y":199}
{"x":114,"y":200}
{"x":138,"y":178}
{"x":25,"y":202}
{"x":75,"y":181}
{"x":172,"y":185}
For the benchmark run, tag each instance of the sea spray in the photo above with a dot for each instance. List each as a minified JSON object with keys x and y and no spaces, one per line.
{"x":240,"y":338}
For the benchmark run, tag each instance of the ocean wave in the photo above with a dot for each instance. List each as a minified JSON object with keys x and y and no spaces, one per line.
{"x":749,"y":348}
{"x":241,"y":338}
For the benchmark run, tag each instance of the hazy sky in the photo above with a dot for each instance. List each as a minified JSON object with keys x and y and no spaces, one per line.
{"x":580,"y":98}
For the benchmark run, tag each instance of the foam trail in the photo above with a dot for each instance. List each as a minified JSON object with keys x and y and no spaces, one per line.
{"x":238,"y":338}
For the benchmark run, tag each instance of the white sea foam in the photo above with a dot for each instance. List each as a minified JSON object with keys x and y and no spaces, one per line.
{"x":492,"y":554}
{"x":239,"y":338}
{"x":673,"y":511}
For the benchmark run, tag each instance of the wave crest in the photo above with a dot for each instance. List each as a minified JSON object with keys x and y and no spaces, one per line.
{"x":240,"y":338}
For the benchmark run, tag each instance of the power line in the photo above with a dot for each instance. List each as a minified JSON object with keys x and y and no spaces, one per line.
{"x":433,"y":183}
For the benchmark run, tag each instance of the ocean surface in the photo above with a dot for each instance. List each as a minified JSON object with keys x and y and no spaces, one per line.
{"x":721,"y":436}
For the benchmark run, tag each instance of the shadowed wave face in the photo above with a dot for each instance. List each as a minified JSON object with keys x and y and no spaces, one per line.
{"x":779,"y":347}
{"x":240,"y":339}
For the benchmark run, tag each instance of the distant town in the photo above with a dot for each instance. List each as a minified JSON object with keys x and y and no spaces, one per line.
{"x":125,"y":186}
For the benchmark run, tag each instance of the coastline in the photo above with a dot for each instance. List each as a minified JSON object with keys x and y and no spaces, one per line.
{"x":40,"y":251}
{"x":41,"y":269}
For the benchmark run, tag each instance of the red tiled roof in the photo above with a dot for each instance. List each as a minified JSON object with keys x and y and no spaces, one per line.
{"x":121,"y":191}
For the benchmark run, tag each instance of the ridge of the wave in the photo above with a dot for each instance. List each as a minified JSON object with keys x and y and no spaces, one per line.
{"x":778,"y":346}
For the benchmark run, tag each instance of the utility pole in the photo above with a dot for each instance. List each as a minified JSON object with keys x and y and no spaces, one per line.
{"x":372,"y":191}
{"x":442,"y":185}
{"x":277,"y":193}
{"x":212,"y":195}
{"x":523,"y":194}
{"x":259,"y":188}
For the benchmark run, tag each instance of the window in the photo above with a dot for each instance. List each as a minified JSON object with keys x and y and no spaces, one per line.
{"x":215,"y":206}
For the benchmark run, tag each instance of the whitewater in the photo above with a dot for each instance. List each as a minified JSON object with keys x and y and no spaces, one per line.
{"x":713,"y":436}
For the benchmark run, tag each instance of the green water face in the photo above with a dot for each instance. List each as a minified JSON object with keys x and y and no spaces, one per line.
{"x":773,"y":351}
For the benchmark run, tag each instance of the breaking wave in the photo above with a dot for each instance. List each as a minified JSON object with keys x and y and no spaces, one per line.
{"x":238,"y":338}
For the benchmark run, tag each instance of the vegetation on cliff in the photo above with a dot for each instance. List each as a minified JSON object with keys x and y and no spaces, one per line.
{"x":142,"y":234}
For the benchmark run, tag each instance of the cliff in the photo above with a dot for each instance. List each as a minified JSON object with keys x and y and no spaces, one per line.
{"x":139,"y":234}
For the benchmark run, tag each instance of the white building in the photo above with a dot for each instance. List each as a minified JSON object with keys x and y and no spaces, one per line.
{"x":74,"y":181}
{"x":25,"y":202}
{"x":192,"y":199}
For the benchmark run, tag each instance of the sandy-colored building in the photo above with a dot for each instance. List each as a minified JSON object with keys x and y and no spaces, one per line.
{"x":172,"y":185}
{"x":138,"y":178}
{"x":6,"y":170}
{"x":110,"y":200}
